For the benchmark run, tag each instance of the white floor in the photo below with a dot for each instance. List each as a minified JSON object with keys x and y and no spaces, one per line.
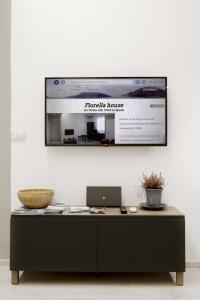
{"x":53,"y":286}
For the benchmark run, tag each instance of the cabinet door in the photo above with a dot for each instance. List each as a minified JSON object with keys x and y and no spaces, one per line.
{"x":51,"y":243}
{"x":137,"y":244}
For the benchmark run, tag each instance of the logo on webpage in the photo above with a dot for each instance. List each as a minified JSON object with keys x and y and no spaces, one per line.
{"x":56,"y":82}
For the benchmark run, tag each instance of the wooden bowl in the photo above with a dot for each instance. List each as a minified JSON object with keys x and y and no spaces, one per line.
{"x":35,"y":198}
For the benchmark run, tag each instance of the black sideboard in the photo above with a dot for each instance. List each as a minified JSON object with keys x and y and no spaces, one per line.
{"x":148,"y":241}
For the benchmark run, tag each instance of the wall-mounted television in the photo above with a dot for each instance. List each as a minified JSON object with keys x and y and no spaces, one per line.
{"x":106,"y":111}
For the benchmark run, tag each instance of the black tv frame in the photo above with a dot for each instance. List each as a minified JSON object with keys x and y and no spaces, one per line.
{"x":106,"y":145}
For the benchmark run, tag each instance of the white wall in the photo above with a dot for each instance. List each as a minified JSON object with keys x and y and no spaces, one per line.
{"x":109,"y":38}
{"x":5,"y":19}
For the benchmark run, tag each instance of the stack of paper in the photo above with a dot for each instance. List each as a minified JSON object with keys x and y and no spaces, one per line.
{"x":97,"y":210}
{"x":78,"y":209}
{"x":54,"y":209}
{"x":28,"y":211}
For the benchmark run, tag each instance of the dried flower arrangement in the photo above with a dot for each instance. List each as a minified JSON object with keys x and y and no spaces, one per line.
{"x":153,"y":181}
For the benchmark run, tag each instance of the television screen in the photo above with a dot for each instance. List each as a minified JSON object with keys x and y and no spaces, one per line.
{"x":106,"y":111}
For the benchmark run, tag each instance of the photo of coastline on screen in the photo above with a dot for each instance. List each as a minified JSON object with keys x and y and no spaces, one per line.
{"x":106,"y":111}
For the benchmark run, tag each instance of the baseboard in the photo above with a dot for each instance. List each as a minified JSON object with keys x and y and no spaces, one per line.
{"x":4,"y":262}
{"x":189,"y":264}
{"x":193,"y":264}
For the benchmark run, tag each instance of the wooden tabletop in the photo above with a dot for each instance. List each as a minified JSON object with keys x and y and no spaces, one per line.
{"x":115,"y":211}
{"x":168,"y":211}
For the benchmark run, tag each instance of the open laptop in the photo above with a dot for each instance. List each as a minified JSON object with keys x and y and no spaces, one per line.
{"x":107,"y":196}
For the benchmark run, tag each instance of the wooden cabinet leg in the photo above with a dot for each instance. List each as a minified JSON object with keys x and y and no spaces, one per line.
{"x":14,"y":277}
{"x":179,"y":278}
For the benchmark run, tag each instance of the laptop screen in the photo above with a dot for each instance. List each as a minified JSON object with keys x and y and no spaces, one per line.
{"x":107,"y":196}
